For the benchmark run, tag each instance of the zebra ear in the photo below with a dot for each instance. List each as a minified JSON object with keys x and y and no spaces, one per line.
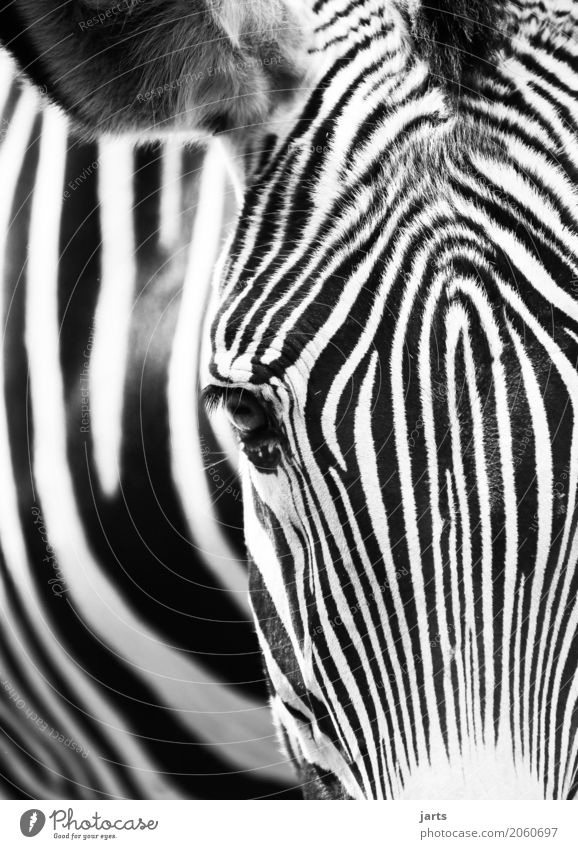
{"x":153,"y":66}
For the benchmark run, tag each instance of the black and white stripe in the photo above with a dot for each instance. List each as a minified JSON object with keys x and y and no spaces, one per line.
{"x":124,"y":625}
{"x":400,"y":299}
{"x":394,"y":336}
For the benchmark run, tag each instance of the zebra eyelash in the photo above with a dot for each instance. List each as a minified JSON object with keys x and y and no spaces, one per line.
{"x":213,"y":398}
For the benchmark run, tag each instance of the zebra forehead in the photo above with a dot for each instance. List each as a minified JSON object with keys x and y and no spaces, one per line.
{"x":284,"y":321}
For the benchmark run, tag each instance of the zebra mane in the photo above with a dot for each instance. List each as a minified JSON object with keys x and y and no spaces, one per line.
{"x":453,"y":35}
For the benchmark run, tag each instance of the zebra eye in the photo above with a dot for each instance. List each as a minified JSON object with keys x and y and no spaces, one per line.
{"x":245,"y":413}
{"x":254,"y":424}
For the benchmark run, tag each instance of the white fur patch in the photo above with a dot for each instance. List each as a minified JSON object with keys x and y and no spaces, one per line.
{"x":482,"y":773}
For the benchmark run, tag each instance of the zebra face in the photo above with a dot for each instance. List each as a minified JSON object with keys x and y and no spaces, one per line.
{"x":381,"y":347}
{"x":408,"y":518}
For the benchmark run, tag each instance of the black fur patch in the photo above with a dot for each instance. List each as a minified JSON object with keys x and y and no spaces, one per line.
{"x":455,"y":36}
{"x":14,"y":36}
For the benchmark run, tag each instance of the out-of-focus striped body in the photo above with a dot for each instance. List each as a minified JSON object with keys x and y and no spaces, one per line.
{"x":128,"y":665}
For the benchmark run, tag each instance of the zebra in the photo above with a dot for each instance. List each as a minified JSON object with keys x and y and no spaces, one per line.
{"x":393,"y":336}
{"x":125,"y":637}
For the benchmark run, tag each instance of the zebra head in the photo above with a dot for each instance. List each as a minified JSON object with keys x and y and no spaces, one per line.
{"x":393,"y":339}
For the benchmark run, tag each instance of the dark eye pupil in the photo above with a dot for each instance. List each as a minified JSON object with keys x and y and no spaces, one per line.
{"x":245,"y":414}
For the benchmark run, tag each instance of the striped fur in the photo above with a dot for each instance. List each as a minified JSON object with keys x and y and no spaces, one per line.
{"x":400,"y":298}
{"x":394,"y":336}
{"x":128,"y":664}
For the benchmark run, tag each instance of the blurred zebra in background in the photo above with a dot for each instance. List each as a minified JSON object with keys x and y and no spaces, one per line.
{"x":128,"y":662}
